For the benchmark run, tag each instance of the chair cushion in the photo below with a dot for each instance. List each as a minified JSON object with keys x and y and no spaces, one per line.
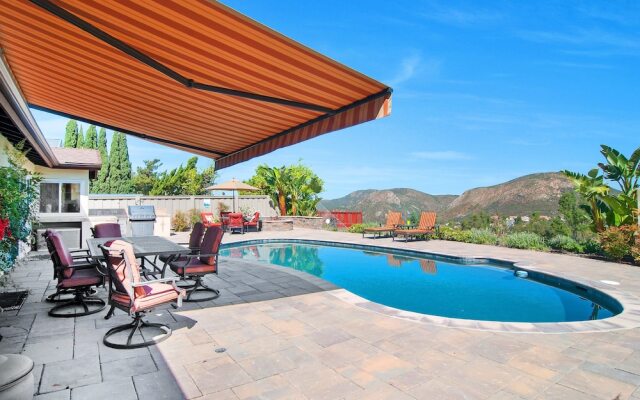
{"x":195,"y":267}
{"x":80,"y":278}
{"x":406,"y":232}
{"x":154,"y":295}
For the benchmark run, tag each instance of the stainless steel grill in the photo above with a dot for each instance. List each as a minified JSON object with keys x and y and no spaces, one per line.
{"x":142,"y":219}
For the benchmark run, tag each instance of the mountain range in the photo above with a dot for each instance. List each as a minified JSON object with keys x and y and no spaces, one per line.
{"x":521,"y":196}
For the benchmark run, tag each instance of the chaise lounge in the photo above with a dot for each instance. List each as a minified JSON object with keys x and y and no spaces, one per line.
{"x":425,"y":227}
{"x":394,"y":218}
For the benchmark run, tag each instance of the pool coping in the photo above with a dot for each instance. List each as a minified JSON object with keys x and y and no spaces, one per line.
{"x":628,"y":318}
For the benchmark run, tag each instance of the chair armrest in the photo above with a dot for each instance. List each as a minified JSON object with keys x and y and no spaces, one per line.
{"x":171,"y":279}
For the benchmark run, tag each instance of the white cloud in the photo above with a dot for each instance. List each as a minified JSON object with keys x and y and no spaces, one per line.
{"x":441,"y":155}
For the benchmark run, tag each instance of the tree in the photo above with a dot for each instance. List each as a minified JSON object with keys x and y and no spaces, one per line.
{"x":146,"y":177}
{"x":80,"y":142}
{"x":91,"y":140}
{"x":294,"y":188}
{"x":119,"y":180}
{"x":71,"y":134}
{"x":574,"y":217}
{"x":100,"y":185}
{"x":184,"y":180}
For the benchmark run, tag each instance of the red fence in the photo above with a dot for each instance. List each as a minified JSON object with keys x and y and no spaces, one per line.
{"x":344,"y":219}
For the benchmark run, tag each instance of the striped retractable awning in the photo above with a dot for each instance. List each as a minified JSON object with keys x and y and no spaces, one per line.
{"x":191,"y":74}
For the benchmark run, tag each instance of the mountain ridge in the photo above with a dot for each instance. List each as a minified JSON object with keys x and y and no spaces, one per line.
{"x":524,"y":195}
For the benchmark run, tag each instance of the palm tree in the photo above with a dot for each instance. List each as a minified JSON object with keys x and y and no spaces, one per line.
{"x":593,"y":189}
{"x":625,"y":171}
{"x":275,"y":182}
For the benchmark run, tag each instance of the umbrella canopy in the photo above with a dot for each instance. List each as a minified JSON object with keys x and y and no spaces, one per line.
{"x":233,"y":184}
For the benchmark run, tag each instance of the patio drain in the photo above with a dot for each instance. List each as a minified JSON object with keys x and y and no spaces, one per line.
{"x":220,"y":350}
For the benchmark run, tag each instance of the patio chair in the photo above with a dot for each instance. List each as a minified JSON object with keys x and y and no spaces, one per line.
{"x":195,"y":240}
{"x":107,"y":230}
{"x":426,"y":226}
{"x":253,"y":222}
{"x":207,"y":220}
{"x":394,"y":218}
{"x":130,"y":293}
{"x":235,"y":222}
{"x":194,"y":267}
{"x":75,"y":277}
{"x":224,"y":219}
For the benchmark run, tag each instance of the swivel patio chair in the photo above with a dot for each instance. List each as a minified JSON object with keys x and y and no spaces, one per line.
{"x":253,"y":222}
{"x":195,"y":240}
{"x":130,"y":293}
{"x":235,"y":222}
{"x":194,"y":267}
{"x":394,"y":218}
{"x":107,"y":230}
{"x":426,"y":226}
{"x":76,"y":278}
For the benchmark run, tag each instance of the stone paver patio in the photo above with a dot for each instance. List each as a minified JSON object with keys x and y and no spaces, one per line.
{"x":289,"y":335}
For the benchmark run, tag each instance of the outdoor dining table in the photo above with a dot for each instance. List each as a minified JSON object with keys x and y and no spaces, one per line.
{"x":147,"y":248}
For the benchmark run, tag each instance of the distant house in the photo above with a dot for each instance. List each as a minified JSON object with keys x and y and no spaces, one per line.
{"x":64,"y":190}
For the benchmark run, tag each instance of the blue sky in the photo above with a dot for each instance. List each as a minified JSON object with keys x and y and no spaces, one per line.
{"x":483,"y":91}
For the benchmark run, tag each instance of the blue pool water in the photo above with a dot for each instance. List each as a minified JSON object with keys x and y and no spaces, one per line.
{"x":436,"y":285}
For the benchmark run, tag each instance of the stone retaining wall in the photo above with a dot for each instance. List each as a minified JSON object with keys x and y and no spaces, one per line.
{"x":302,"y":222}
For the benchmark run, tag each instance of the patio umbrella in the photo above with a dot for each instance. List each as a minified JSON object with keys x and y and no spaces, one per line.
{"x":233,"y":185}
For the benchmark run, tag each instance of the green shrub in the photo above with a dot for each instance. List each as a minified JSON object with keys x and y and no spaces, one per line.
{"x":359,"y":228}
{"x":566,"y":243}
{"x":617,"y":241}
{"x":180,"y":222}
{"x":524,"y":240}
{"x":194,"y":216}
{"x":591,"y":246}
{"x":482,"y":236}
{"x":453,"y":234}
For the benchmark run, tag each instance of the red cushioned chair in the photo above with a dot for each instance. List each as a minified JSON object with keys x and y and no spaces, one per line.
{"x":224,"y":219}
{"x":253,"y":223}
{"x":194,"y":267}
{"x":76,"y":276}
{"x":195,"y":240}
{"x":208,"y":220}
{"x":130,"y":293}
{"x":235,"y":222}
{"x":107,"y":230}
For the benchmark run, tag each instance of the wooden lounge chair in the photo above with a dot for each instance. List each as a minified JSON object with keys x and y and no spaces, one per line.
{"x":426,"y":226}
{"x":394,"y":218}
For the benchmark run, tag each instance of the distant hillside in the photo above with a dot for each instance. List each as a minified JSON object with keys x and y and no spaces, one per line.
{"x":375,"y":203}
{"x":521,"y":196}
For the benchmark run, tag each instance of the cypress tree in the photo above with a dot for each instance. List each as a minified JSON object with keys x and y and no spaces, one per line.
{"x":91,"y":140}
{"x":80,"y":142}
{"x":119,"y":165}
{"x":101,"y":184}
{"x":71,"y":134}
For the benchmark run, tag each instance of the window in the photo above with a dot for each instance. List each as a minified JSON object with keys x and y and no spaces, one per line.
{"x":59,"y":197}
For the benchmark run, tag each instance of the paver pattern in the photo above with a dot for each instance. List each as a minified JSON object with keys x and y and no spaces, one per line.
{"x":288,"y":335}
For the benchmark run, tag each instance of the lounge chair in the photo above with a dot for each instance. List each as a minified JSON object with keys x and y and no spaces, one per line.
{"x":394,"y":218}
{"x":195,"y":266}
{"x":253,"y":223}
{"x":108,"y":230}
{"x":427,"y":225}
{"x":75,"y":276}
{"x":137,"y":297}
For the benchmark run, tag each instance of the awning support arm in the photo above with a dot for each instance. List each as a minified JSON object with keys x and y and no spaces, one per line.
{"x":147,"y":60}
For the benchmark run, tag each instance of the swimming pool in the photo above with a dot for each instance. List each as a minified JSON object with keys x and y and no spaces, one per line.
{"x":448,"y":287}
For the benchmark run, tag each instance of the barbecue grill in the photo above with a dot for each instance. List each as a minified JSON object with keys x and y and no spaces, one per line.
{"x":142,"y":219}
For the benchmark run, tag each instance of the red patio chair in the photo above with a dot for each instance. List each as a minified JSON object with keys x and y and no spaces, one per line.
{"x":76,"y":276}
{"x":107,"y":230}
{"x":208,"y":220}
{"x":224,"y":219}
{"x":194,"y":267}
{"x":253,"y":222}
{"x":195,"y":239}
{"x":130,"y":293}
{"x":235,"y":222}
